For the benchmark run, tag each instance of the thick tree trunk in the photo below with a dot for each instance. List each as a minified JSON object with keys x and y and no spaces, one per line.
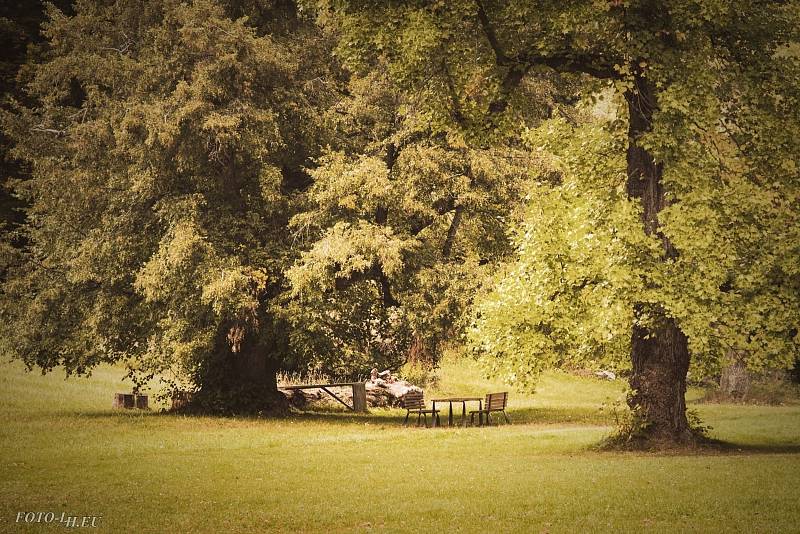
{"x":255,"y":379}
{"x":660,"y":359}
{"x":659,"y":351}
{"x":240,"y":381}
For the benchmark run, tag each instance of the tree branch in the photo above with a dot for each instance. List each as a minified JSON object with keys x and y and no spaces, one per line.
{"x":447,"y":249}
{"x":500,"y":57}
{"x":455,"y":111}
{"x":567,"y":61}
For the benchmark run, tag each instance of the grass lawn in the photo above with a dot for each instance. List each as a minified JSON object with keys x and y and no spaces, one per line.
{"x":63,"y":449}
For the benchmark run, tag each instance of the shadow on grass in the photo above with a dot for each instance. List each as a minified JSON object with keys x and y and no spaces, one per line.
{"x":525,"y":415}
{"x":380,"y":417}
{"x":334,"y":415}
{"x":98,"y":414}
{"x":726,"y":447}
{"x":699,"y":446}
{"x":551,"y":415}
{"x":395,"y":418}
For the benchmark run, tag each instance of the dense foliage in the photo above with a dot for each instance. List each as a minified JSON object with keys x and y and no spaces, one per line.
{"x":703,"y":88}
{"x":212,"y":200}
{"x":163,"y":149}
{"x":401,"y":224}
{"x":582,"y":262}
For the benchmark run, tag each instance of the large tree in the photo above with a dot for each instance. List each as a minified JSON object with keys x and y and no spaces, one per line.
{"x":402,"y":222}
{"x":692,"y":76}
{"x":568,"y":297}
{"x":166,"y":142}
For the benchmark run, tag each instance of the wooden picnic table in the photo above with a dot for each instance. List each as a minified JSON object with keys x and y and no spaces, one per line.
{"x":463,"y":401}
{"x":359,"y":393}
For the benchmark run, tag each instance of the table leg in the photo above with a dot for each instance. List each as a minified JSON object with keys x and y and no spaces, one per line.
{"x":480,"y":413}
{"x":464,"y":414}
{"x":450,"y":415}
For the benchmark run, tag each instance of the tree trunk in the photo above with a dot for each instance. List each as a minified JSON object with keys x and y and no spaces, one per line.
{"x":255,"y":379}
{"x":447,"y":249}
{"x":659,"y":351}
{"x":660,"y":358}
{"x":734,"y":382}
{"x":240,"y":378}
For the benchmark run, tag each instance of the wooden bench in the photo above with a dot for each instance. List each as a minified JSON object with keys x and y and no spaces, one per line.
{"x":414,"y":401}
{"x":495,"y":402}
{"x":359,"y":393}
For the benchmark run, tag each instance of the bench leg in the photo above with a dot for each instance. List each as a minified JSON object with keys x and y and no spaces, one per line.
{"x":506,"y":416}
{"x":405,"y":423}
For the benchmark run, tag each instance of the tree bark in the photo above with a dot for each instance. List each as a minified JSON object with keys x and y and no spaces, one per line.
{"x":240,"y":379}
{"x":659,"y":351}
{"x":255,"y":372}
{"x":660,"y":358}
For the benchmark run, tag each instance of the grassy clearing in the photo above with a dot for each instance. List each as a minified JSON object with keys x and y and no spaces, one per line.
{"x":63,"y":449}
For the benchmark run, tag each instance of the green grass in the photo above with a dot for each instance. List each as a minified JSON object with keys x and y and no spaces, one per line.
{"x":63,"y":449}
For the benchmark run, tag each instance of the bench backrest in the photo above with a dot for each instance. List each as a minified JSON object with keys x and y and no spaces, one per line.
{"x":414,"y":400}
{"x":496,"y":401}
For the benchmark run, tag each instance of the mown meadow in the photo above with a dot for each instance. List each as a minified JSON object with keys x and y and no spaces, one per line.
{"x":63,"y":449}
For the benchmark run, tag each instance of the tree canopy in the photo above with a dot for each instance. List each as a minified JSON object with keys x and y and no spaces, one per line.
{"x":164,"y":145}
{"x":702,"y":87}
{"x":402,"y":222}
